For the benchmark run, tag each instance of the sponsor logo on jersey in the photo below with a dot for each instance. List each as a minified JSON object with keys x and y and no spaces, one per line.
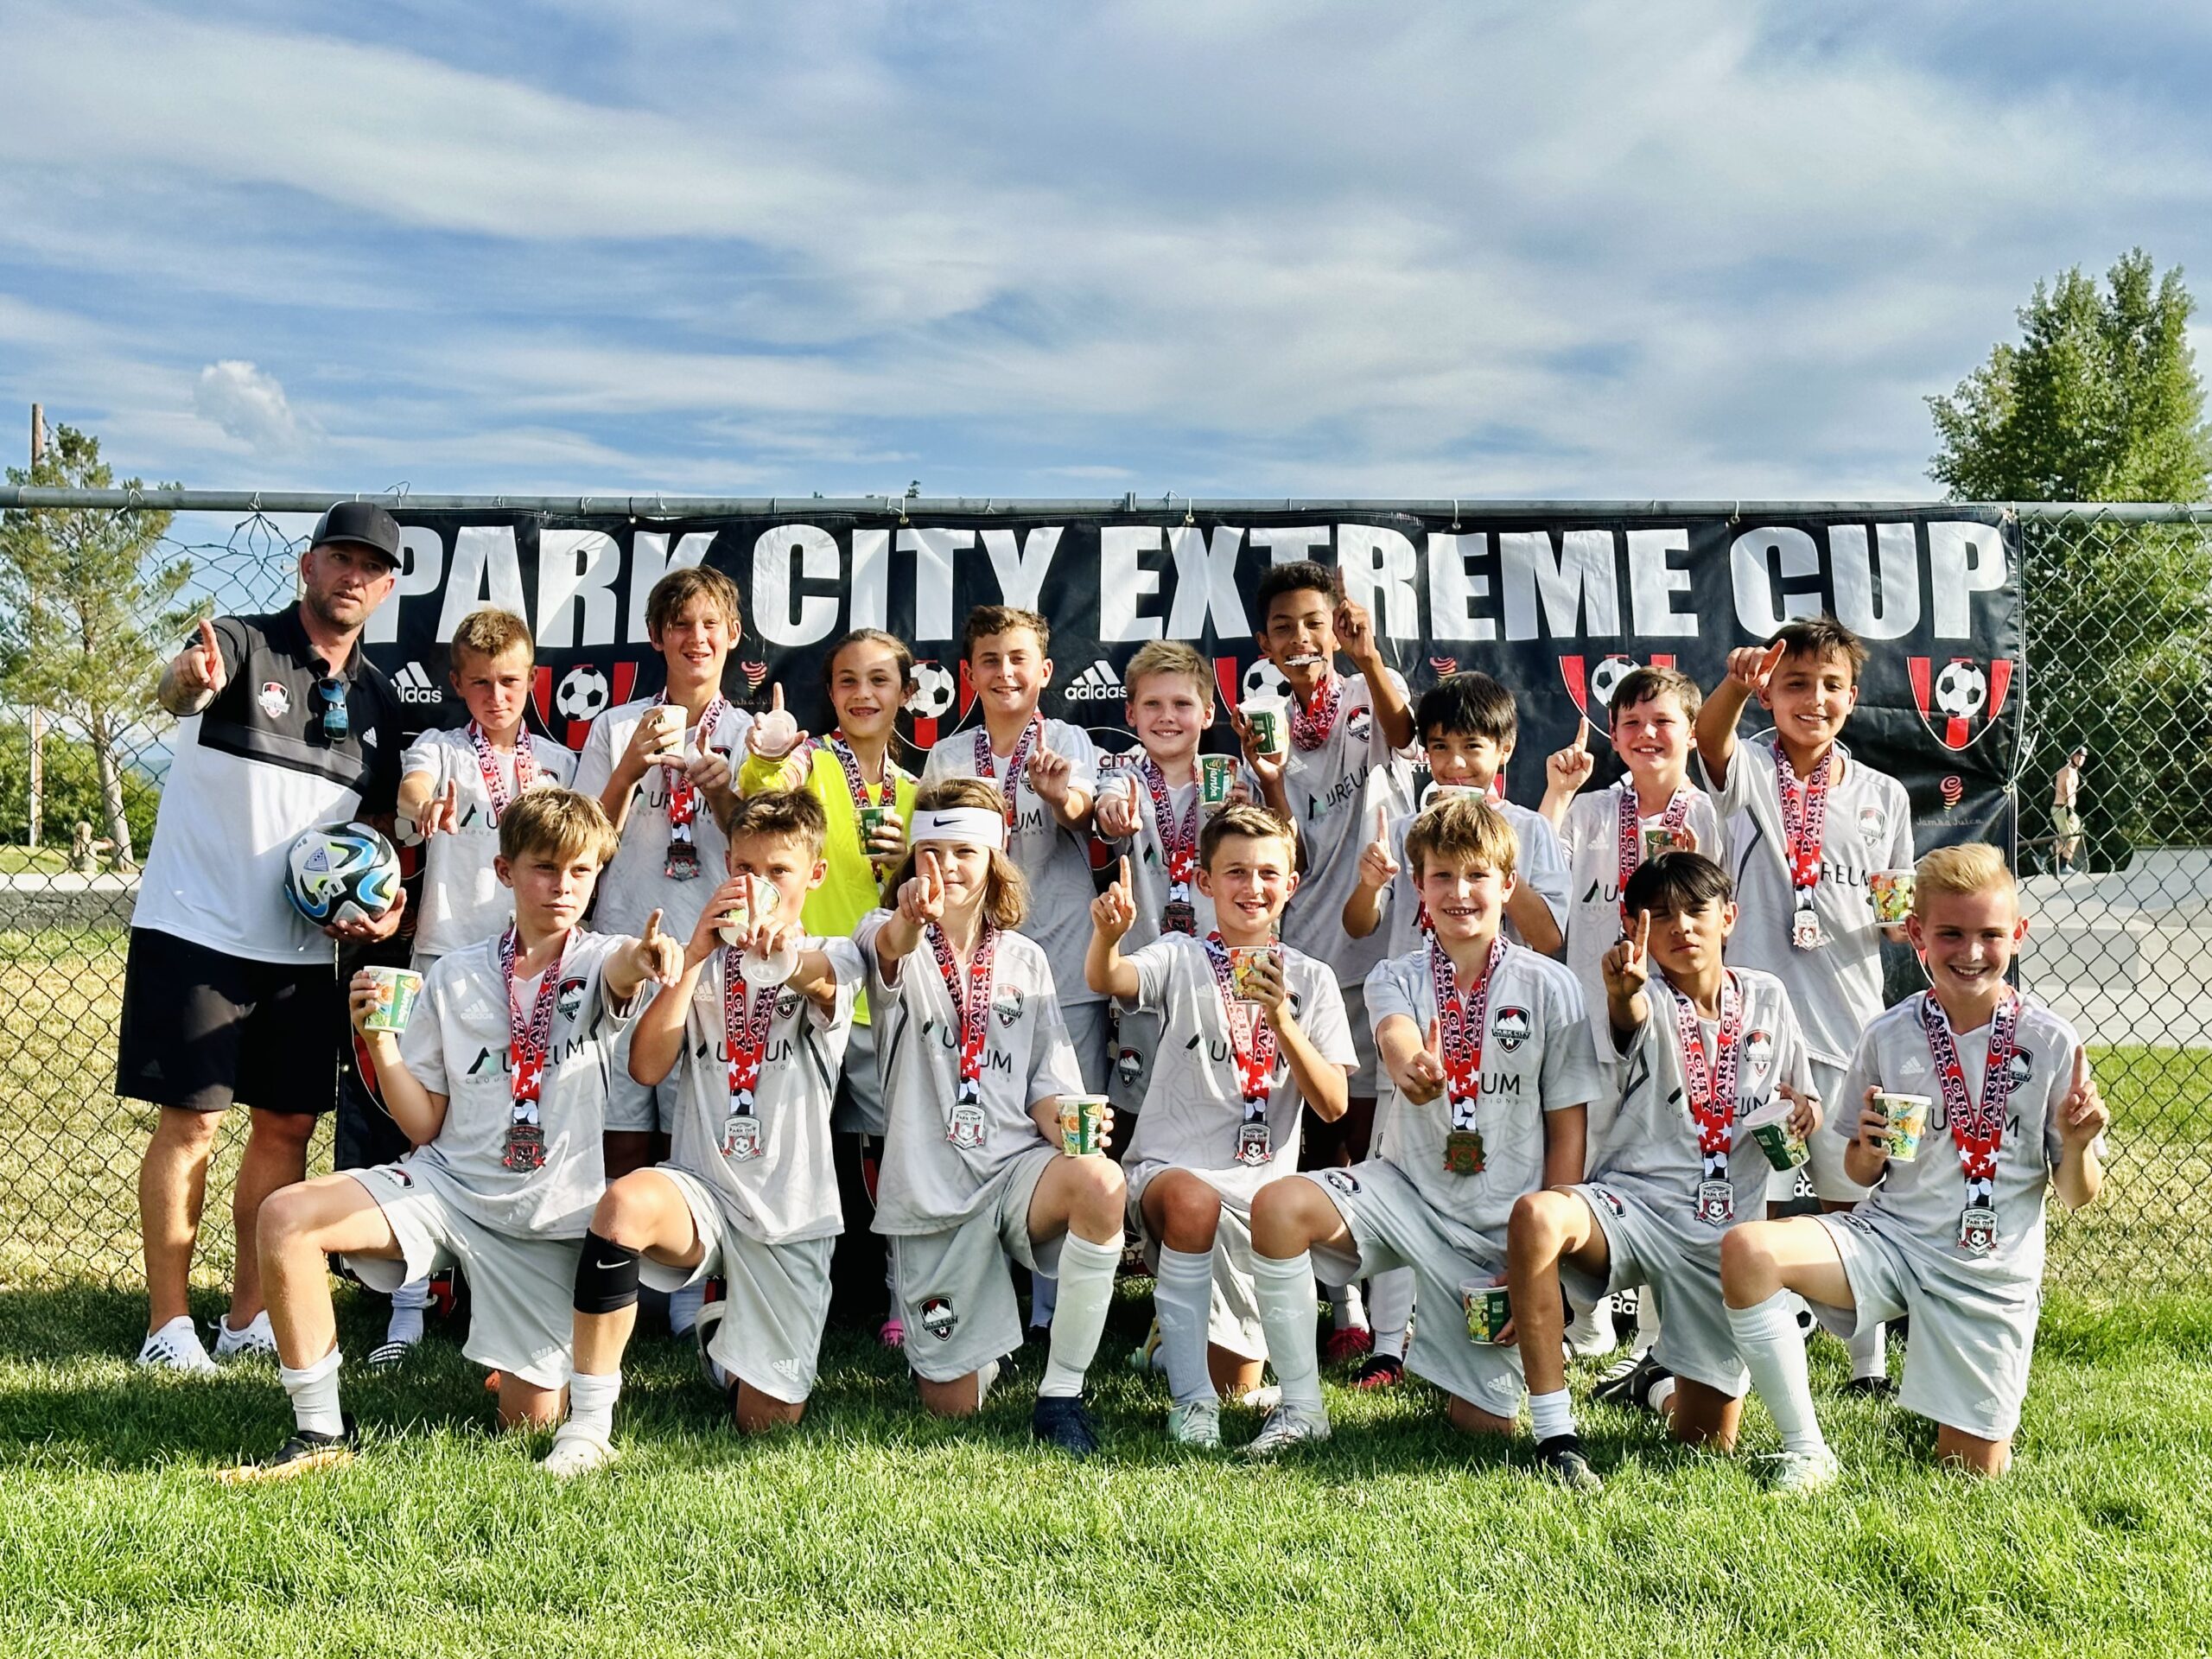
{"x":1097,"y":684}
{"x":938,"y":1319}
{"x":1511,"y":1028}
{"x":414,"y":684}
{"x":276,"y":702}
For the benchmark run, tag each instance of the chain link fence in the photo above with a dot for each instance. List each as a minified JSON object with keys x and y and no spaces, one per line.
{"x":2118,"y":610}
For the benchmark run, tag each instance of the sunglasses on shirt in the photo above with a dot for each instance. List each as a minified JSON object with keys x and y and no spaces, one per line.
{"x":337,"y":719}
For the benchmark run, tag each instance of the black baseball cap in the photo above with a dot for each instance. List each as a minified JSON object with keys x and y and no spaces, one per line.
{"x":362,"y":523}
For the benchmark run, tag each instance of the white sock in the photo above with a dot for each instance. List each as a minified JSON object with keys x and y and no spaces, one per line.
{"x":985,"y":1376}
{"x":1867,"y":1351}
{"x":1390,"y":1307}
{"x":683,"y":1308}
{"x":1774,"y":1353}
{"x":1660,"y":1392}
{"x":1284,"y":1290}
{"x":1551,"y":1415}
{"x":591,"y":1402}
{"x":1044,"y":1299}
{"x":1647,"y":1320}
{"x":408,"y":1303}
{"x":1183,"y":1294}
{"x":1346,"y":1311}
{"x":1086,"y":1284}
{"x":314,"y":1389}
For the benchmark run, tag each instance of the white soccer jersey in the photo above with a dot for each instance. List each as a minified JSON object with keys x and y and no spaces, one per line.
{"x":1195,"y":1104}
{"x":1923,"y":1200}
{"x":929,"y":1183}
{"x":772,"y":1176}
{"x":1536,"y":1057}
{"x":1650,"y":1148}
{"x":1590,"y":837}
{"x":1054,"y":859}
{"x":1147,"y":855}
{"x":463,"y":900}
{"x":1541,"y":864}
{"x":1334,"y":791}
{"x":1836,"y":987}
{"x":456,"y":1045}
{"x":636,"y":883}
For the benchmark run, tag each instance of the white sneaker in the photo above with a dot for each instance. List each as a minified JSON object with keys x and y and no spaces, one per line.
{"x":1287,"y":1426}
{"x":1592,"y":1332}
{"x":176,"y":1347}
{"x":1196,"y":1423}
{"x":1804,"y":1471}
{"x":577,"y":1452}
{"x":256,"y":1341}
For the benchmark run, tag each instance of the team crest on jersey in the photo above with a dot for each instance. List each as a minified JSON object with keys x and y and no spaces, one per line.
{"x":276,"y":702}
{"x":2019,"y":1070}
{"x":1511,"y":1028}
{"x":1359,"y":725}
{"x":1759,"y":1050}
{"x":1342,"y":1179}
{"x":1007,"y":1004}
{"x":1874,"y":824}
{"x":1610,"y":1199}
{"x":938,"y":1319}
{"x":1958,"y":700}
{"x":1129,"y":1064}
{"x":569,"y":998}
{"x":787,"y":1003}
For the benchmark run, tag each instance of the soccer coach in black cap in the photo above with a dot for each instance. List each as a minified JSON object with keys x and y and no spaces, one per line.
{"x":228,"y":996}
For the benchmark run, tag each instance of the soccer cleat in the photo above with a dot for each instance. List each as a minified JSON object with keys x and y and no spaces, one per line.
{"x":576,"y":1452}
{"x":176,"y":1347}
{"x":1198,"y":1424}
{"x":892,"y":1333}
{"x":387,"y":1355}
{"x":1287,"y":1427}
{"x":1381,"y":1371}
{"x":1060,"y":1419}
{"x":1871,"y":1388}
{"x":303,"y":1453}
{"x":1343,"y":1346}
{"x":1632,"y":1388}
{"x":256,"y":1341}
{"x":1148,"y":1358}
{"x":1591,"y":1332}
{"x":1561,"y":1458}
{"x":1803,"y":1471}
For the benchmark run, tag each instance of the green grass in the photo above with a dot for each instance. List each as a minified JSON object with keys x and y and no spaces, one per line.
{"x":873,"y":1529}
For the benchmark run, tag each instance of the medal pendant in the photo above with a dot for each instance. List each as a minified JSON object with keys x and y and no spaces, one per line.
{"x":965,"y":1128}
{"x":1805,"y":931}
{"x":526,"y":1147}
{"x":742,"y":1137}
{"x":682,"y":863}
{"x":1463,"y":1152}
{"x":1978,"y":1229}
{"x":1178,"y":916}
{"x":1252,"y":1148}
{"x":1716,"y":1203}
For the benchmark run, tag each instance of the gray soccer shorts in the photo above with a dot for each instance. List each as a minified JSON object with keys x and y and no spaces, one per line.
{"x":1695,"y":1342}
{"x":954,"y":1289}
{"x":1233,"y":1317}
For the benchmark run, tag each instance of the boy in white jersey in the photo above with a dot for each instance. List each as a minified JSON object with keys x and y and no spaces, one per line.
{"x":1221,"y":1116}
{"x":1808,"y":825}
{"x":1491,"y":1105}
{"x":1954,"y":1235}
{"x":500,"y":1082}
{"x":1703,"y":1050}
{"x":1468,"y":726}
{"x":1347,"y":755}
{"x":975,"y":1058}
{"x":756,"y":1030}
{"x":453,"y":787}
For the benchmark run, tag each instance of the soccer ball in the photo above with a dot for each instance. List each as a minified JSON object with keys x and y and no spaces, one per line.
{"x":582,"y":693}
{"x":341,"y":872}
{"x":934,"y":691}
{"x":1609,"y":673}
{"x":1264,"y":679}
{"x":1960,"y":689}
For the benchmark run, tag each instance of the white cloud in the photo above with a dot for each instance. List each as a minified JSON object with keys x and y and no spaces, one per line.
{"x":249,"y":405}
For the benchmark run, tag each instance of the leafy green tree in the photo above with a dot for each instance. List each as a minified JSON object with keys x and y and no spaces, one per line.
{"x":88,"y":615}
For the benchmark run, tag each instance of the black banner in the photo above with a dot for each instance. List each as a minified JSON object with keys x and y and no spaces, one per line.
{"x":1557,"y":609}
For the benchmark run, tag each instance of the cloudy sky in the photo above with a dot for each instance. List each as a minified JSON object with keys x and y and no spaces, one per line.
{"x":1212,"y":246}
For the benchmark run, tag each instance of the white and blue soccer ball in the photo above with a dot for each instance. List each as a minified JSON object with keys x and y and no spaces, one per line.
{"x":341,"y":872}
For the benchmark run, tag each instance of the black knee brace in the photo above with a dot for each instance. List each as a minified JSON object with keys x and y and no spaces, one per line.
{"x":607,"y":1276}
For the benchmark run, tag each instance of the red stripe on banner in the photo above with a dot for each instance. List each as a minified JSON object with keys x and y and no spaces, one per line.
{"x":541,"y":696}
{"x":2000,"y":682}
{"x":1228,"y":677}
{"x":967,"y":690}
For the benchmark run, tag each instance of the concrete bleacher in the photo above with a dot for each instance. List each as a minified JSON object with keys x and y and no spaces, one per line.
{"x":2126,"y":955}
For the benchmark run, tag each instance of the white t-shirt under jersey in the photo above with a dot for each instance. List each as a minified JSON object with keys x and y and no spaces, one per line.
{"x":1541,"y":864}
{"x":463,"y":900}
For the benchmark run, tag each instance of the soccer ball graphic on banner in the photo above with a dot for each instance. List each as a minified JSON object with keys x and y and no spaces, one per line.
{"x":582,"y":694}
{"x":1609,"y":673}
{"x":1264,"y":679}
{"x":934,"y":690}
{"x":1961,"y":690}
{"x":341,"y":872}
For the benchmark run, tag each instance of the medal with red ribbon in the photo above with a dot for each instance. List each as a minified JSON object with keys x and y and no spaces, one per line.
{"x":488,"y":762}
{"x":1630,"y":836}
{"x":1710,"y":1092}
{"x":868,"y":810}
{"x":529,"y":1039}
{"x":1459,"y":1033}
{"x":747,"y":1010}
{"x":1252,"y":1050}
{"x":684,"y":802}
{"x":1977,"y":1126}
{"x":1310,"y":727}
{"x":1804,"y":817}
{"x":971,"y":1010}
{"x":1179,"y":845}
{"x":1032,"y":739}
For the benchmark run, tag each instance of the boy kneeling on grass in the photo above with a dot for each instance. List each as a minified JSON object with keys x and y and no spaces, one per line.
{"x":1953,"y":1234}
{"x":500,"y":1082}
{"x":1703,"y":1050}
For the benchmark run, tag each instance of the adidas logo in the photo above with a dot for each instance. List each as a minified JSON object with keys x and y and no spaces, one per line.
{"x":416,"y":686}
{"x":1097,"y":684}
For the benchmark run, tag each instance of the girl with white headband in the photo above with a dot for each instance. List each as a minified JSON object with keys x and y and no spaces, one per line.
{"x":975,"y":1057}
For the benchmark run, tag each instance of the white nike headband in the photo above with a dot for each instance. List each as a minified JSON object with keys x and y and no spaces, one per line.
{"x":972,"y":826}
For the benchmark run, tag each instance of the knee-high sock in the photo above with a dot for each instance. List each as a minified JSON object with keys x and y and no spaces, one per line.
{"x":1284,"y":1289}
{"x":591,"y":1402}
{"x":1044,"y":1299}
{"x":1868,"y":1357}
{"x":683,"y":1308}
{"x":1647,"y":1320}
{"x":1345,"y":1308}
{"x":1183,"y":1293}
{"x":408,"y":1304}
{"x":1086,"y":1286}
{"x":1390,"y":1309}
{"x":314,"y":1389}
{"x":1774,"y":1353}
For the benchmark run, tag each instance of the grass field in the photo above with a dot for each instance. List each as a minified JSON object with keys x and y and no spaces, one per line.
{"x":873,"y":1530}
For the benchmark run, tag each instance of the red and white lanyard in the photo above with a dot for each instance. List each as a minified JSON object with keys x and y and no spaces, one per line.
{"x":683,"y":793}
{"x":1804,"y":817}
{"x":1459,"y":1029}
{"x":529,"y":1040}
{"x":1179,"y":845}
{"x":488,"y":762}
{"x":1631,"y":838}
{"x":855,"y":785}
{"x":1251,"y":1039}
{"x":972,"y":1010}
{"x":1978,"y":1125}
{"x":747,"y":1010}
{"x":1310,"y":730}
{"x":1711,"y":1090}
{"x":1032,"y":739}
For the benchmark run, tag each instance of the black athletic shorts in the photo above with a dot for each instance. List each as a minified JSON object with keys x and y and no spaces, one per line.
{"x":204,"y":1030}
